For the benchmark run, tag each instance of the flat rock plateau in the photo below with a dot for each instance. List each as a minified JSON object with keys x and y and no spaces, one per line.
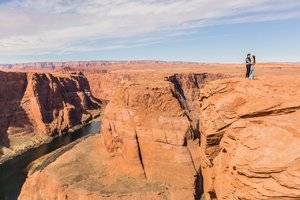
{"x":170,"y":130}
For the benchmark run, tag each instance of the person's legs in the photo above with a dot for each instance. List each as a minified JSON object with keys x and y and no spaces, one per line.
{"x":247,"y":70}
{"x":251,"y":73}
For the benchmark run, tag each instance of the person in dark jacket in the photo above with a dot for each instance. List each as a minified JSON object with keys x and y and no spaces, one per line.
{"x":248,"y":65}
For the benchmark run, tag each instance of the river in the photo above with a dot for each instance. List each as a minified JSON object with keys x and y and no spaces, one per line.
{"x":13,"y":172}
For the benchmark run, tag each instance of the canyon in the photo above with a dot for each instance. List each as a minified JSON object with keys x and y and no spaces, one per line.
{"x":169,"y":130}
{"x":36,"y":107}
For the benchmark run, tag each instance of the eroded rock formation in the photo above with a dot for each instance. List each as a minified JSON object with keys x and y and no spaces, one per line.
{"x":35,"y":106}
{"x":143,"y":140}
{"x":182,"y":137}
{"x":250,"y":139}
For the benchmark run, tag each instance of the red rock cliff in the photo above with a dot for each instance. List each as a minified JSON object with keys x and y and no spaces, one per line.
{"x":179,"y":137}
{"x":143,"y":141}
{"x":250,"y":139}
{"x":34,"y":106}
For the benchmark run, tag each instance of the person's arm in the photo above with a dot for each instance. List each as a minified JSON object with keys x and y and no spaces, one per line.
{"x":248,"y":61}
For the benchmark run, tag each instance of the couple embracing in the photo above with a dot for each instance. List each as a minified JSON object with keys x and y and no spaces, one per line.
{"x":250,"y":62}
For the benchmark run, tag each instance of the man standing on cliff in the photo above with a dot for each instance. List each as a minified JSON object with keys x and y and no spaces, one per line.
{"x":248,"y":65}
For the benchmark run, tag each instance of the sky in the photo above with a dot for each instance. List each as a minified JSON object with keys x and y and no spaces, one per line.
{"x":177,"y":30}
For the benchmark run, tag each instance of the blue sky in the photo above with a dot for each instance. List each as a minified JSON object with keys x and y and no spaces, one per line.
{"x":190,"y":30}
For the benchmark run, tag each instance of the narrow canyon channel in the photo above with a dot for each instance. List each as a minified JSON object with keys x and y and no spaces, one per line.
{"x":14,"y":172}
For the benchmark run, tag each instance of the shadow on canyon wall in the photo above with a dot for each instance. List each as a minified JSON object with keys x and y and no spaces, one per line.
{"x":55,"y":102}
{"x":12,"y":89}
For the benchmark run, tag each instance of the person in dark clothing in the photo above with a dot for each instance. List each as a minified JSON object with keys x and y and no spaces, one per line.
{"x":248,"y":65}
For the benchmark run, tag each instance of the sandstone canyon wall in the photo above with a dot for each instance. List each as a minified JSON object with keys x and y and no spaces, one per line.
{"x":142,"y":152}
{"x":185,"y":136}
{"x":37,"y":106}
{"x":250,"y":146}
{"x":94,"y":65}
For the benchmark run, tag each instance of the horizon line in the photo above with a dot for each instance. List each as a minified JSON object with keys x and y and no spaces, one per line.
{"x":146,"y":60}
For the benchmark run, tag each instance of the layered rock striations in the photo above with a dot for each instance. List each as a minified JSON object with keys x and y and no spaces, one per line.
{"x":37,"y":106}
{"x":250,"y":138}
{"x":136,"y":157}
{"x":142,"y":152}
{"x":13,"y":118}
{"x":149,"y":122}
{"x":186,"y":89}
{"x":60,"y":102}
{"x":188,"y":136}
{"x":94,"y":65}
{"x":105,"y":84}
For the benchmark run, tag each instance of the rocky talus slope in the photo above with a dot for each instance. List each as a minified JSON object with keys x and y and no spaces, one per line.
{"x":37,"y":106}
{"x":189,"y":136}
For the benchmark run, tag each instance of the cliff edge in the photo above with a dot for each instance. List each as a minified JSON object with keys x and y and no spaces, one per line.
{"x":189,"y":136}
{"x":38,"y":106}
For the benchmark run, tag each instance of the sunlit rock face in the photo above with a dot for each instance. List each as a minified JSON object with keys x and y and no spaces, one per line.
{"x":250,"y":144}
{"x":35,"y":106}
{"x":184,"y":136}
{"x":142,"y":152}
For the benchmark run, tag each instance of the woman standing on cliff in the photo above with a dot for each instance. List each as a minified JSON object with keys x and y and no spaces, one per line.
{"x":251,"y":72}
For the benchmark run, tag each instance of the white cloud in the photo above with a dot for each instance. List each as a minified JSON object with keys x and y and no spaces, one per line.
{"x":30,"y":27}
